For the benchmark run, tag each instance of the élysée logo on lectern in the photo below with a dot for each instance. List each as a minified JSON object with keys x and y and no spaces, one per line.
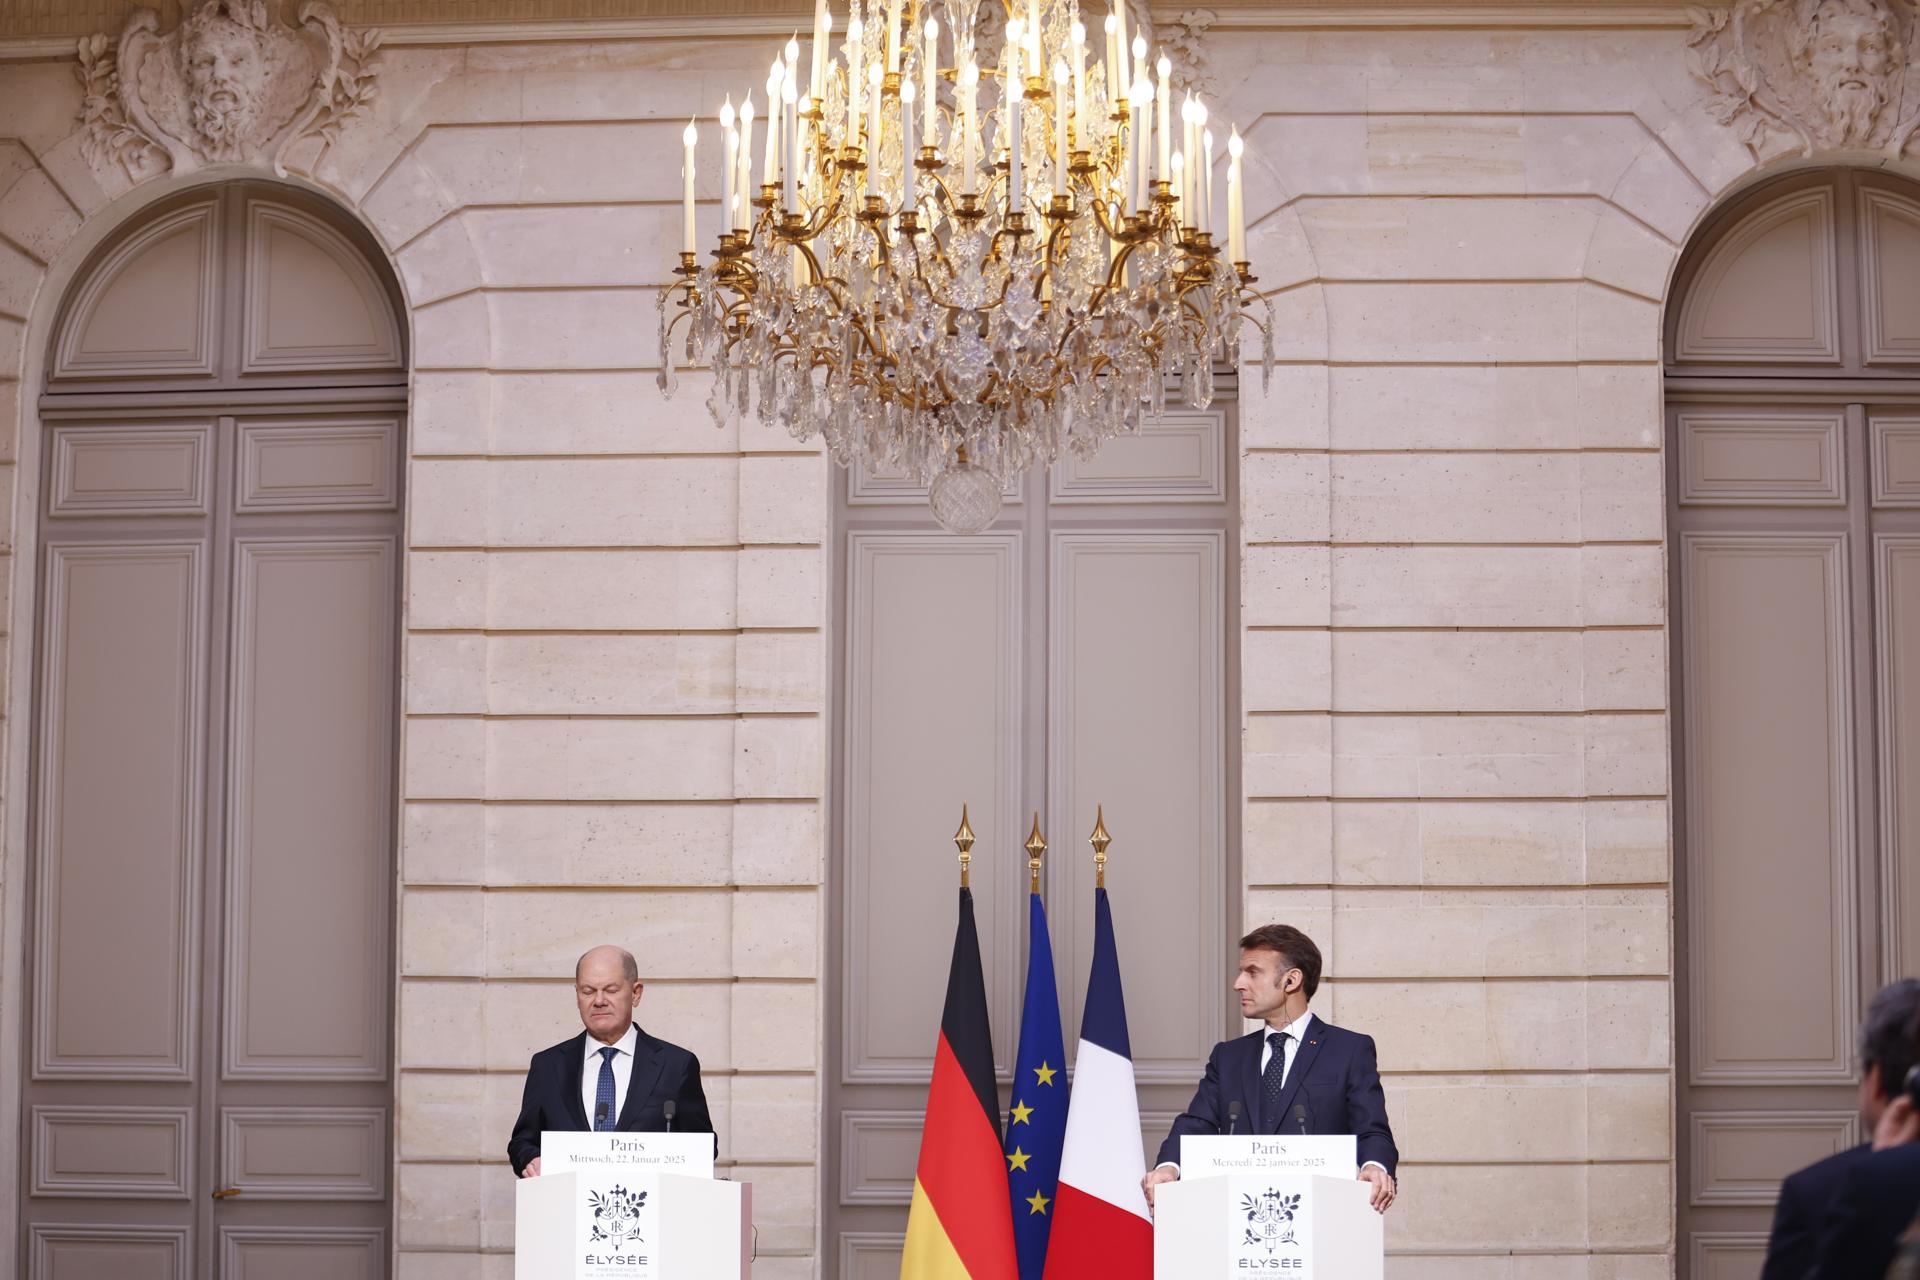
{"x":617,"y":1221}
{"x":616,"y":1217}
{"x":1273,"y":1241}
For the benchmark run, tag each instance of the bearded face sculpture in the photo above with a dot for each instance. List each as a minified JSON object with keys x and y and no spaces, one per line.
{"x":1829,"y":75}
{"x":1851,"y":55}
{"x":233,"y":83}
{"x":223,"y":66}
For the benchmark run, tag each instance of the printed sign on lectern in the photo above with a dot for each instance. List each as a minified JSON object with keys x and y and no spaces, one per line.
{"x":688,"y":1154}
{"x":1216,"y":1155}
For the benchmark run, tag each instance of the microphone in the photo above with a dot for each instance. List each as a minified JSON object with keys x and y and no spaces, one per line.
{"x":667,"y":1108}
{"x":1297,"y":1119}
{"x":599,"y":1115}
{"x":1233,"y":1115}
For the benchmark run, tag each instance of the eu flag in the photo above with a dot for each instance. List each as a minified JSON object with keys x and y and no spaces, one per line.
{"x":1037,"y":1125}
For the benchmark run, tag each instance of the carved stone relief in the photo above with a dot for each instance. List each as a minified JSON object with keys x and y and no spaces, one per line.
{"x":232,"y":83}
{"x":1184,"y":37}
{"x":1827,"y":75}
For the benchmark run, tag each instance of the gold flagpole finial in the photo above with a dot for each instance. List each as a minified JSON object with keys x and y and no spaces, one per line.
{"x":1036,"y":845}
{"x":964,"y":839}
{"x":1099,"y":840}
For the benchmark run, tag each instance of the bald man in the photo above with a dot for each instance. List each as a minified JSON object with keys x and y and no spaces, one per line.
{"x":615,"y":1076}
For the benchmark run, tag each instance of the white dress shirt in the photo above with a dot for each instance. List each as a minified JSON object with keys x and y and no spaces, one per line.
{"x":1296,"y":1032}
{"x":622,"y":1071}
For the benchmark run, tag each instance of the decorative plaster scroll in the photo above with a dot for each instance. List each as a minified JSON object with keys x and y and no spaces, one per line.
{"x":1830,"y":75}
{"x":233,"y":83}
{"x":1186,"y":48}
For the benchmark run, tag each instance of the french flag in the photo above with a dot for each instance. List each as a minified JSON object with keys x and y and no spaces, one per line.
{"x":1101,"y":1227}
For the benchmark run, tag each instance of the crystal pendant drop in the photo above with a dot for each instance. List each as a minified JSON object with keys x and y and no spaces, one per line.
{"x":965,"y":497}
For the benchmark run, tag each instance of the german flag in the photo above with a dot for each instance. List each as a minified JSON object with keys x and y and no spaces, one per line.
{"x":961,"y":1223}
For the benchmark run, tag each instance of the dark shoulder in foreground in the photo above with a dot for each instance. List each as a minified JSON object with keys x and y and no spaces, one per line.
{"x":1819,"y":1180}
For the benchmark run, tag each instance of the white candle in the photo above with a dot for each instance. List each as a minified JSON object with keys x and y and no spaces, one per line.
{"x":1176,"y":178}
{"x":856,"y":80}
{"x":1206,"y":199}
{"x":817,"y":55}
{"x":1236,"y":203}
{"x":1016,"y":96}
{"x":1060,"y":127}
{"x":1033,"y":19}
{"x":1128,"y":82}
{"x":1120,"y":43}
{"x":969,"y":122}
{"x":1202,"y":158}
{"x":730,"y":144}
{"x":1141,"y":115}
{"x":874,"y":76}
{"x":743,"y":217}
{"x":791,"y":75}
{"x":770,"y":168}
{"x":893,"y":36}
{"x":929,"y":67}
{"x":687,"y":243}
{"x":1113,"y":65}
{"x":1190,"y":148}
{"x":907,"y":172}
{"x":1163,"y":120}
{"x":1079,"y":38}
{"x":790,"y":170}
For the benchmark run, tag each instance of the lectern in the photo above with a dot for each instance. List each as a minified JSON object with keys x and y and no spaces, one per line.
{"x":601,"y":1223}
{"x":1297,"y":1225}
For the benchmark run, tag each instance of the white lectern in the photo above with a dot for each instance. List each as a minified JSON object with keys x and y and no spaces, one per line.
{"x":1296,"y":1225}
{"x":632,"y":1223}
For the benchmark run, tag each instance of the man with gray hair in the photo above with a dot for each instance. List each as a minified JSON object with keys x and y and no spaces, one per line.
{"x":615,"y":1076}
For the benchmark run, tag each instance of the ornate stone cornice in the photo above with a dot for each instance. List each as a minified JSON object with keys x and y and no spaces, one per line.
{"x":34,"y":29}
{"x":1824,"y":75}
{"x":233,"y":82}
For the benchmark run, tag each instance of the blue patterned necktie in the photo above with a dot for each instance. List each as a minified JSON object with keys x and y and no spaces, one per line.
{"x":603,"y":1092}
{"x":1273,"y":1080}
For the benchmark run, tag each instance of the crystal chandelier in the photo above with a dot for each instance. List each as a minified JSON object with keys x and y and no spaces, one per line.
{"x":958,"y":289}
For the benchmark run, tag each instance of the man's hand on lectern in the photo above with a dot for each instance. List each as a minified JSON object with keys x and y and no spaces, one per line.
{"x":1165,"y":1173}
{"x":1382,"y":1184}
{"x":533,"y":1168}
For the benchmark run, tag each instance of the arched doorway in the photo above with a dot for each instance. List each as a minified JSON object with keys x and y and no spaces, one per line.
{"x":1793,"y":419}
{"x":207,"y":1076}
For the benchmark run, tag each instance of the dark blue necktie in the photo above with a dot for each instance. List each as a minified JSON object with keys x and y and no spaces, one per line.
{"x":603,"y":1092}
{"x":1273,"y":1080}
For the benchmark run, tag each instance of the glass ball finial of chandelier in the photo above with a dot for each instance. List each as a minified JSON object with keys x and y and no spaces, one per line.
{"x":974,"y":247}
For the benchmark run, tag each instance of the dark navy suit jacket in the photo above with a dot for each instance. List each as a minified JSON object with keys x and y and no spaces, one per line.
{"x":1335,"y":1074}
{"x":551,"y":1099}
{"x":1875,"y":1205}
{"x":1802,"y":1213}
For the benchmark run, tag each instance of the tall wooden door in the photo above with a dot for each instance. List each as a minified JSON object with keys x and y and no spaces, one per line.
{"x":1793,"y":390}
{"x":1072,"y":656}
{"x":208,"y":1074}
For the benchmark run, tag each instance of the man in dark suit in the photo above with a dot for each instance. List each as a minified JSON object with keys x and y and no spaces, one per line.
{"x":615,"y":1076}
{"x":1297,"y":1074}
{"x":1801,"y":1217}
